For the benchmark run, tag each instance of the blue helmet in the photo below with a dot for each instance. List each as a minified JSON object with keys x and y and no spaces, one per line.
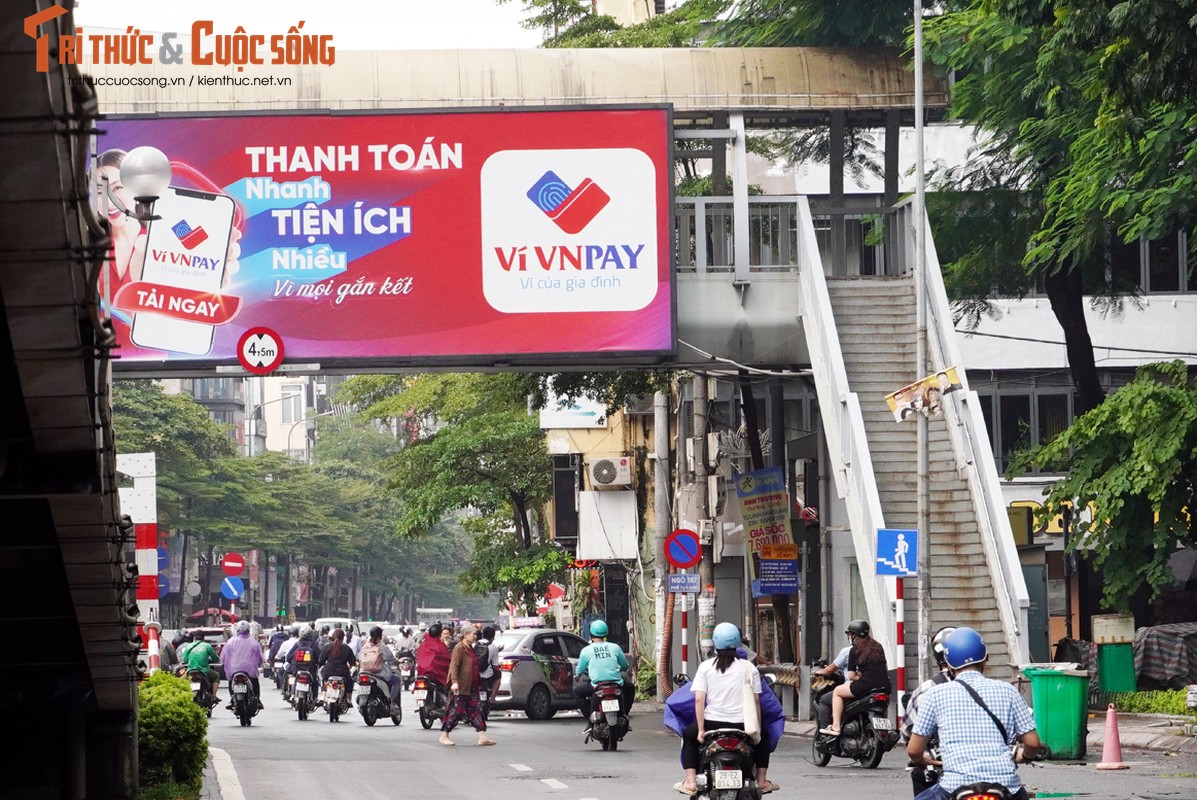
{"x":598,"y":628}
{"x":726,"y":636}
{"x":964,"y":647}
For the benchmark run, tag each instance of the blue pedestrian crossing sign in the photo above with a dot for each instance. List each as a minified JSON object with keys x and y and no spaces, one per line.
{"x":232,"y":587}
{"x":897,"y":552}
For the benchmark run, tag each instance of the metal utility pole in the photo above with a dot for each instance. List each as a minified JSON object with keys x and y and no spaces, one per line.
{"x":706,"y":567}
{"x":661,"y":492}
{"x":920,"y":294}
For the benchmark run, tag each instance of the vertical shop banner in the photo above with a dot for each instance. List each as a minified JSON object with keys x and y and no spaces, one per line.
{"x":397,"y":238}
{"x":765,"y":509}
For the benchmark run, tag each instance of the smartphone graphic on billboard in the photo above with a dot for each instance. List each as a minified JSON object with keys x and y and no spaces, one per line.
{"x":187,"y":248}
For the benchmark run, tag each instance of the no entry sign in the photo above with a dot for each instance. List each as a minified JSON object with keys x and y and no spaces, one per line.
{"x":682,"y":549}
{"x":233,"y":564}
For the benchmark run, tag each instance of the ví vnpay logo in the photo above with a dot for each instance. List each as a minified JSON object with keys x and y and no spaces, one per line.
{"x":571,"y":209}
{"x":188,"y":236}
{"x":587,"y":241}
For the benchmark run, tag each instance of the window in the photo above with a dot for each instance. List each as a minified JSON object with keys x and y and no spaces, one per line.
{"x":858,"y":607}
{"x":1163,"y":264}
{"x":292,"y":402}
{"x":1125,"y":265}
{"x":573,"y":646}
{"x":547,"y":646}
{"x":1014,"y":426}
{"x":1053,"y":416}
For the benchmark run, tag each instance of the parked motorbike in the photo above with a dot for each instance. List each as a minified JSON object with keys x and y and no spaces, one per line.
{"x":866,"y":731}
{"x":336,"y":697}
{"x":608,"y":724}
{"x":245,"y":702}
{"x":372,"y":696}
{"x":304,"y":698}
{"x":407,"y":667}
{"x":432,"y":700}
{"x":726,"y":766}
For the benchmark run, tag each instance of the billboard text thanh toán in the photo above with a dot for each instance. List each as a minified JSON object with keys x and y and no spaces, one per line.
{"x":534,"y":237}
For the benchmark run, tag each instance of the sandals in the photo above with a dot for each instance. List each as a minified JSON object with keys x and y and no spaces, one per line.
{"x":446,"y":741}
{"x":769,"y":787}
{"x":680,"y":788}
{"x":829,"y":731}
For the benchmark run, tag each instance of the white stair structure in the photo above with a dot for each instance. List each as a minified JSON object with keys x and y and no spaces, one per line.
{"x":861,"y":334}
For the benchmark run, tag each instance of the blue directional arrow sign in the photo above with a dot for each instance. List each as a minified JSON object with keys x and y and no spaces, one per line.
{"x":897,"y":552}
{"x":163,"y":586}
{"x":163,"y":559}
{"x":232,"y":587}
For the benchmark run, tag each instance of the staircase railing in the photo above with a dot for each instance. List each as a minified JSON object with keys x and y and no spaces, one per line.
{"x":843,"y":424}
{"x":973,"y":448}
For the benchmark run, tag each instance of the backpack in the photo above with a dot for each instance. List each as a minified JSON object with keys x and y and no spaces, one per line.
{"x":371,"y":658}
{"x":482,"y":653}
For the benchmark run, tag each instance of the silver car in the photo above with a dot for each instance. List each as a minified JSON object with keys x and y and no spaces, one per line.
{"x":536,"y":666}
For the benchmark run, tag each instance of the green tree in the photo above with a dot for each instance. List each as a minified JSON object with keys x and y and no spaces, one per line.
{"x":1097,"y":139}
{"x":1133,"y":462}
{"x":178,"y":430}
{"x":553,"y":16}
{"x":471,"y":444}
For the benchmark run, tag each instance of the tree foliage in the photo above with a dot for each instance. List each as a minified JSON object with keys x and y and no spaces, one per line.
{"x":1089,"y":112}
{"x":553,"y":16}
{"x":1133,"y":462}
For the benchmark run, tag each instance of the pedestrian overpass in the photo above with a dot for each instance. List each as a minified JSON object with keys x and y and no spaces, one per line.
{"x":775,"y":282}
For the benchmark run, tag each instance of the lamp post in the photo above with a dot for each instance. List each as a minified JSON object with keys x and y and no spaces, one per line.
{"x":254,"y":418}
{"x":145,"y":172}
{"x":291,"y":430}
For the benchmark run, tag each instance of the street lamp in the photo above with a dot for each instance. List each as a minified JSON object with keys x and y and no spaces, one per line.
{"x":292,"y":429}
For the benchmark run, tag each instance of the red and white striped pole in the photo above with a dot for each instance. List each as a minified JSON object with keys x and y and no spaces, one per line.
{"x":900,"y":640}
{"x":140,"y":502}
{"x":153,"y":651}
{"x":685,"y":631}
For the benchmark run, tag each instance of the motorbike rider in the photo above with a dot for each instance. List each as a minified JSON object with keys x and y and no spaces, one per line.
{"x":242,"y":653}
{"x":432,"y":657}
{"x":918,"y":774}
{"x":601,"y":661}
{"x":303,"y":655}
{"x":277,"y":638}
{"x":719,"y":703}
{"x":388,"y":670}
{"x":201,"y":657}
{"x":404,"y":641}
{"x":866,"y":671}
{"x":977,"y":727}
{"x":325,"y":637}
{"x":336,"y":658}
{"x":834,"y":671}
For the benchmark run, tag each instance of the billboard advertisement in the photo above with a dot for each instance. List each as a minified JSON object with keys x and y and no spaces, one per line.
{"x":391,"y":239}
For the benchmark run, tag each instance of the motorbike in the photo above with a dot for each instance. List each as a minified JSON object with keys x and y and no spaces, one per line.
{"x":432,"y":700}
{"x":304,"y":697}
{"x":245,"y":702}
{"x":372,"y":696}
{"x":336,"y":697}
{"x":201,"y":689}
{"x":866,"y":731}
{"x":281,"y":677}
{"x":995,"y":791}
{"x":726,"y":766}
{"x":608,"y":724}
{"x":407,"y":667}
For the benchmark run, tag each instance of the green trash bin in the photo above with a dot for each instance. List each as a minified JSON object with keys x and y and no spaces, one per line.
{"x":1116,"y":667}
{"x":1060,"y":700}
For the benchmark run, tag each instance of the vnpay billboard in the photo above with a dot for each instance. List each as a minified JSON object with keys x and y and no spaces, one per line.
{"x":511,"y":236}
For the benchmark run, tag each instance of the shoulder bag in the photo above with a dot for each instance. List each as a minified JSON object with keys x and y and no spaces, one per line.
{"x":1001,"y":728}
{"x":752,"y":717}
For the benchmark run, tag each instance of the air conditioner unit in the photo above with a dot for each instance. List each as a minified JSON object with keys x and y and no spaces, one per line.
{"x":605,"y":472}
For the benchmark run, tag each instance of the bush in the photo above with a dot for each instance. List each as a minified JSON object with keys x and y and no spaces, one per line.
{"x":172,"y":736}
{"x":1170,"y":701}
{"x":646,"y":680}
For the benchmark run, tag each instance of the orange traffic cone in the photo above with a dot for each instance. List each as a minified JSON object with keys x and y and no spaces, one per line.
{"x":1111,"y":748}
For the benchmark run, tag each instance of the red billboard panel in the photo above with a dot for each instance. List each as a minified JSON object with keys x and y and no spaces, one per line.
{"x":459,"y":238}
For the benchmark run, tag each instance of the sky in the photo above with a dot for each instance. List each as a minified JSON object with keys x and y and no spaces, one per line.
{"x":390,"y":24}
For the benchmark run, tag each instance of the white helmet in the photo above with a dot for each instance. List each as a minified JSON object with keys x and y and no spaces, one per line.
{"x":423,"y":626}
{"x":242,"y":626}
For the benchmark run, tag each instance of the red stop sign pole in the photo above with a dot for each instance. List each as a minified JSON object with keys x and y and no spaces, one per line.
{"x":233,"y":564}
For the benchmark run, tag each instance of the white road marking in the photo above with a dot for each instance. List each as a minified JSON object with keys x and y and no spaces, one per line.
{"x":521,"y":767}
{"x":226,"y":775}
{"x":552,"y":783}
